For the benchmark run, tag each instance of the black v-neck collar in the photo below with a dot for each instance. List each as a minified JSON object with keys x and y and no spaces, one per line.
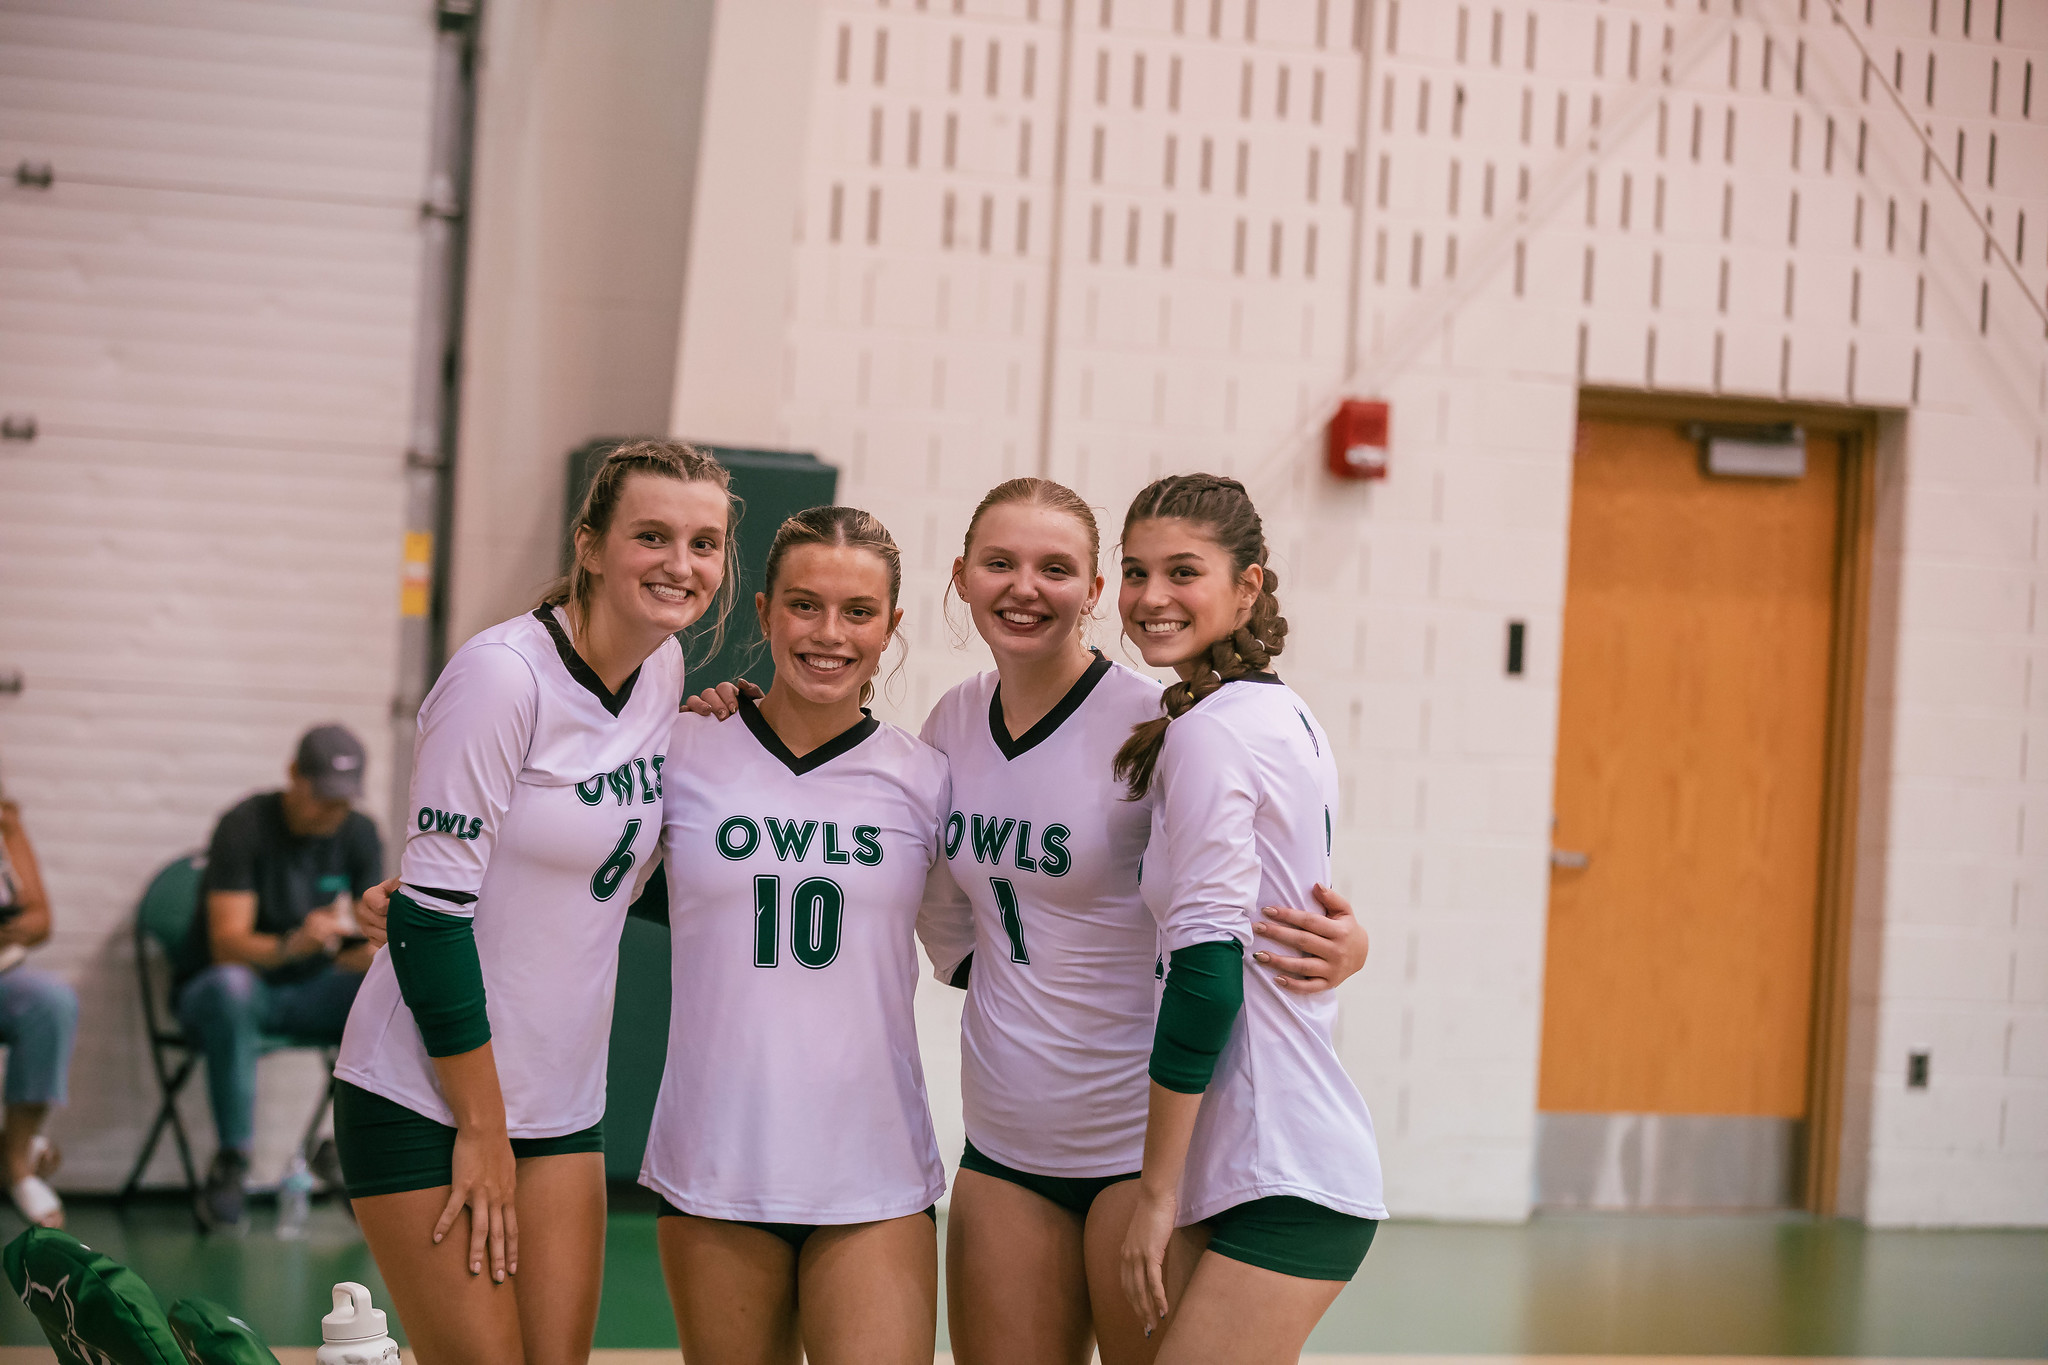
{"x":582,"y":672}
{"x":1051,"y":721}
{"x":832,"y":748}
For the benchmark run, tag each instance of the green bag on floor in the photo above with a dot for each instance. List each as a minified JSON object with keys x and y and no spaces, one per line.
{"x":94,"y":1310}
{"x":213,"y":1336}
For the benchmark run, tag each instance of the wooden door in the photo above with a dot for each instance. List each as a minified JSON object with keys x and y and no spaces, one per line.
{"x":1691,"y":772}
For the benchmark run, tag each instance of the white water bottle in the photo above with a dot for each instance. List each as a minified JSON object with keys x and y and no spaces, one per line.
{"x":354,"y":1332}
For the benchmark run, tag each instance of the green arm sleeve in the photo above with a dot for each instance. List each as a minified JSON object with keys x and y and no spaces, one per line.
{"x":1204,"y":992}
{"x":434,"y":957}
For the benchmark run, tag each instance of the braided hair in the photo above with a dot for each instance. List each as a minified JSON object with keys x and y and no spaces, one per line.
{"x":1222,"y":508}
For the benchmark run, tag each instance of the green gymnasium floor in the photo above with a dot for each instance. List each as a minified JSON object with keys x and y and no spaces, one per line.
{"x":1558,"y":1285}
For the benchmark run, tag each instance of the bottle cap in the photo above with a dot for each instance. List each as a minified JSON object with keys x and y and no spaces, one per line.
{"x":353,"y":1319}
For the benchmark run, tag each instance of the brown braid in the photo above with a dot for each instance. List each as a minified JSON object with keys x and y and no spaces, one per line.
{"x":1221,"y":507}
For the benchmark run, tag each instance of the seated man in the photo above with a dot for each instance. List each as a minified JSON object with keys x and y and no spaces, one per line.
{"x":282,"y":876}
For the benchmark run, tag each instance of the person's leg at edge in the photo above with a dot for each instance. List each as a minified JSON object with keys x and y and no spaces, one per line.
{"x":222,"y":1008}
{"x":1016,"y":1286}
{"x":561,"y":1255}
{"x":1119,"y":1331}
{"x":451,"y":1317}
{"x":1242,"y":1314}
{"x":38,"y":1023}
{"x":733,"y":1289}
{"x":868,"y":1293}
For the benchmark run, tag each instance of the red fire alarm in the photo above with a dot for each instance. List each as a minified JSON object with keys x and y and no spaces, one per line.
{"x":1358,"y":439}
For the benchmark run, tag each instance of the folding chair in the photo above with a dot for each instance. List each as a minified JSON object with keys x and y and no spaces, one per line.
{"x":163,"y":938}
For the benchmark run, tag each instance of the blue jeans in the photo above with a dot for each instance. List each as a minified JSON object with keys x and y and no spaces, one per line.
{"x":227,"y":1009}
{"x":38,"y":1021}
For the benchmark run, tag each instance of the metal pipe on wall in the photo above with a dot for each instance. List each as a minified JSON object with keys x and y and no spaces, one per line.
{"x":437,"y":379}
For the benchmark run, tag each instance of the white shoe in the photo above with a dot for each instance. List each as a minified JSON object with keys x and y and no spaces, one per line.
{"x":33,"y":1198}
{"x":37,"y":1202}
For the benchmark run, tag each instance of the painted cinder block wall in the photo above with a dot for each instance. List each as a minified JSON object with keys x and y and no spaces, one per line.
{"x":1472,"y":210}
{"x":210,"y":313}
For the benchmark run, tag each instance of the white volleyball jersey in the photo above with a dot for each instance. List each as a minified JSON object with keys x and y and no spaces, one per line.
{"x":1246,"y":796}
{"x":536,"y":810}
{"x":1057,"y":1029}
{"x":793,"y":1091}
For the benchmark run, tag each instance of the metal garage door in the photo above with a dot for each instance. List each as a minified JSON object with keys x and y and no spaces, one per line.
{"x":208,"y":315}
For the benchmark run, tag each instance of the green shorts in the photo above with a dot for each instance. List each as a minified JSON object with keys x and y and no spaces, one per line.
{"x":1292,"y":1236}
{"x":1075,"y":1194}
{"x":796,"y":1234}
{"x":386,"y":1148}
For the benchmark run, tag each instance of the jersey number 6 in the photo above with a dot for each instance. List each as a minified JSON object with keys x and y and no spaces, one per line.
{"x":816,"y":907}
{"x":604,"y":883}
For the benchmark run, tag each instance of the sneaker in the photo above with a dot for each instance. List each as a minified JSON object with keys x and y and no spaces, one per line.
{"x":326,"y":1167}
{"x":219,"y":1205}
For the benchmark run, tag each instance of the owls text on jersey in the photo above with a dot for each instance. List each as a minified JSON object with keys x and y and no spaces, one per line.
{"x":793,"y":1091}
{"x":1060,"y":1002}
{"x":536,"y":808}
{"x":1246,"y":791}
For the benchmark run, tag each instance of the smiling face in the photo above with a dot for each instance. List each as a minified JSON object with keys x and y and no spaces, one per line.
{"x":1180,"y":591}
{"x":658,"y":565}
{"x":1028,"y":578}
{"x":828,"y":619}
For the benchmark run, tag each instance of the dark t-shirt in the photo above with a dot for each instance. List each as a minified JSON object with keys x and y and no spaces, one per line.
{"x":292,"y":875}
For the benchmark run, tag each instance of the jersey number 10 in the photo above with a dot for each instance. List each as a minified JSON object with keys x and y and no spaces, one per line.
{"x":816,"y":908}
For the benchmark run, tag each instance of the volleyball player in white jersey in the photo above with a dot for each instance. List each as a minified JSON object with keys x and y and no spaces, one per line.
{"x":1061,"y":989}
{"x":1257,"y":1145}
{"x":791,"y":1141}
{"x":472,"y":1070}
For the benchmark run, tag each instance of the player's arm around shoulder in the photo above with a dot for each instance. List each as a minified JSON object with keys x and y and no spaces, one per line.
{"x":945,"y":920}
{"x":931,"y":780}
{"x":1206,"y":792}
{"x":685,"y":762}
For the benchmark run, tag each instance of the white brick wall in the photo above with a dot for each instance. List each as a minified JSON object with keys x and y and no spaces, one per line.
{"x":1695,"y":219}
{"x":210,"y":315}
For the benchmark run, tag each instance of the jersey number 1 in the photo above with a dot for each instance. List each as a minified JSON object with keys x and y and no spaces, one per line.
{"x":1013,"y":917}
{"x":816,"y":908}
{"x":604,"y":883}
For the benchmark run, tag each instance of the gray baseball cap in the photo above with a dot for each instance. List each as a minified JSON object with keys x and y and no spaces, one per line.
{"x":332,"y":760}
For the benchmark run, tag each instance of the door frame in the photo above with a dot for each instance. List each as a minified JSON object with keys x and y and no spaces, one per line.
{"x":1855,"y":534}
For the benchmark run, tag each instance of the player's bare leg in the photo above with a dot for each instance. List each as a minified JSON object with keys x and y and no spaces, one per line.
{"x":1230,"y":1313}
{"x":1119,"y":1332}
{"x":1016,"y":1285}
{"x":733,"y":1289}
{"x":451,"y":1317}
{"x":561,"y":1255}
{"x":868,"y":1294}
